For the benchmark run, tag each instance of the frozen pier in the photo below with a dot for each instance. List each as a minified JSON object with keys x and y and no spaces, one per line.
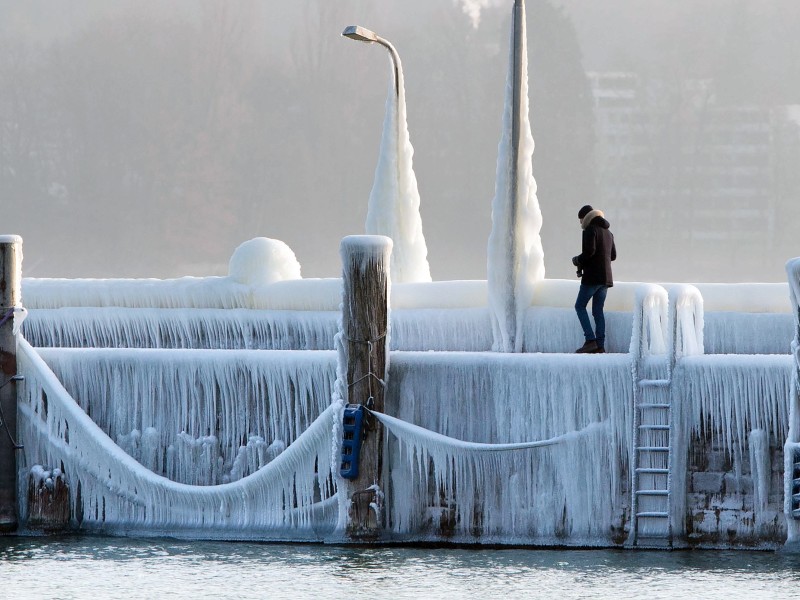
{"x":222,"y":418}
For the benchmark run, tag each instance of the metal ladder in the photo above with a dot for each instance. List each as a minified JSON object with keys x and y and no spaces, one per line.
{"x":651,"y":525}
{"x":796,"y":484}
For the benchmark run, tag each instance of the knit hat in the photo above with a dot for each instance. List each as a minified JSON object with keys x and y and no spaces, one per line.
{"x":585,"y":211}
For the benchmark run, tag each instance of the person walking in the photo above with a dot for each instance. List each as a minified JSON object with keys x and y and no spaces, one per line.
{"x":594,"y":269}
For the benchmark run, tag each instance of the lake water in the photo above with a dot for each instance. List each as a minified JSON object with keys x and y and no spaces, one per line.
{"x":100,"y":567}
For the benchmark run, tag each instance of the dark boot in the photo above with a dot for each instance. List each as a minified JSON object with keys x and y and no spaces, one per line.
{"x":599,"y":351}
{"x":589,"y":347}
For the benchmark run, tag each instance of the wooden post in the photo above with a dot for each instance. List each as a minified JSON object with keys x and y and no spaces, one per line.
{"x":365,"y":308}
{"x":48,"y":500}
{"x":10,"y":297}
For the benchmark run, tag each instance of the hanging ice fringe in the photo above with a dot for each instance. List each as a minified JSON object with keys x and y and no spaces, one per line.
{"x":198,"y":416}
{"x":729,"y":396}
{"x":509,"y":492}
{"x":209,"y":328}
{"x":568,"y":492}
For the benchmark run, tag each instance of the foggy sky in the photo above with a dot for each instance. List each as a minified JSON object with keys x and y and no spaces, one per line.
{"x":316,"y":101}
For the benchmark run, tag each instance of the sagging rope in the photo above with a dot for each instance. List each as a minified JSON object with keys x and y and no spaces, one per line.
{"x":7,"y":316}
{"x":10,"y":313}
{"x":3,"y":420}
{"x":405,"y":430}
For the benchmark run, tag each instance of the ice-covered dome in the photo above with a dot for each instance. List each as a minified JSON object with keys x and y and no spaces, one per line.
{"x":263,"y":260}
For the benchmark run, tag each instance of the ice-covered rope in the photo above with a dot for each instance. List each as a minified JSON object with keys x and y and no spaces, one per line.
{"x":405,"y":431}
{"x":7,"y":316}
{"x":369,"y":375}
{"x":506,"y":492}
{"x":115,"y":490}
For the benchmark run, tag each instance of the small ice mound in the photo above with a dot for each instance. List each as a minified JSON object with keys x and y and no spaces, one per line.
{"x":263,"y":260}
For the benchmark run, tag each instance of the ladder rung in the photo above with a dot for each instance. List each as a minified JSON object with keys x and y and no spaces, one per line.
{"x":654,"y":382}
{"x":653,"y":405}
{"x":653,"y":448}
{"x":655,"y":427}
{"x":652,"y":470}
{"x":653,"y":492}
{"x":663,"y":515}
{"x":796,"y":513}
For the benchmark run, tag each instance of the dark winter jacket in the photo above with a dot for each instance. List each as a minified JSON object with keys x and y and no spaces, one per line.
{"x":597,"y":252}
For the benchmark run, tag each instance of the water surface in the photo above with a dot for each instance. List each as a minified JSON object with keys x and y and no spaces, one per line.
{"x":99,"y":567}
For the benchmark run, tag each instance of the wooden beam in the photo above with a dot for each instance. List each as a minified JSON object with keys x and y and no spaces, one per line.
{"x":365,"y":311}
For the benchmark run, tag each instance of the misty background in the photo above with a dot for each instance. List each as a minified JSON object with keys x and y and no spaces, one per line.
{"x":149,"y":139}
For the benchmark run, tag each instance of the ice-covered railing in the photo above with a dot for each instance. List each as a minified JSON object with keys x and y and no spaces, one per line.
{"x":791,"y":449}
{"x":291,"y":497}
{"x":185,"y":292}
{"x":746,"y":318}
{"x":444,"y":315}
{"x":649,"y":332}
{"x":448,"y":315}
{"x":685,"y":322}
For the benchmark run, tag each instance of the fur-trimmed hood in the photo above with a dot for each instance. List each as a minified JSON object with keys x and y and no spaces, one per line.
{"x":591,"y":215}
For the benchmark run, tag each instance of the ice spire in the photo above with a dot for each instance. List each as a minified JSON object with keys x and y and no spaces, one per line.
{"x":394,"y":200}
{"x":515,"y":255}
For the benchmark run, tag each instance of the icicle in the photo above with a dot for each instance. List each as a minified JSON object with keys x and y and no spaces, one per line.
{"x":199,"y":403}
{"x":181,"y":328}
{"x":501,"y":399}
{"x":733,"y":395}
{"x":761,"y":472}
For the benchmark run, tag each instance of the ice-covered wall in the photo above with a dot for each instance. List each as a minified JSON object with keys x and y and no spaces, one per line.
{"x":569,"y":493}
{"x":291,"y":497}
{"x":731,"y":419}
{"x":197,"y":416}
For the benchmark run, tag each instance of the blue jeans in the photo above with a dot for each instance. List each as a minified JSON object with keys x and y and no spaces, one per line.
{"x":597,"y":293}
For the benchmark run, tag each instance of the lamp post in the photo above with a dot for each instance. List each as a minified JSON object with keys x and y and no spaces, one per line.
{"x":362,"y":34}
{"x":393,"y":209}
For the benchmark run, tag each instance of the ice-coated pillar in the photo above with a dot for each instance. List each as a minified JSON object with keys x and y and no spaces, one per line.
{"x":365,"y":319}
{"x":10,"y":298}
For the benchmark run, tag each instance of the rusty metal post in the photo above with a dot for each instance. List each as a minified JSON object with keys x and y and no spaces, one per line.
{"x":10,"y":298}
{"x":365,"y":310}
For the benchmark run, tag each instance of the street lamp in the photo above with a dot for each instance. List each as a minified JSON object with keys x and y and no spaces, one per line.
{"x":362,"y":34}
{"x":393,"y":208}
